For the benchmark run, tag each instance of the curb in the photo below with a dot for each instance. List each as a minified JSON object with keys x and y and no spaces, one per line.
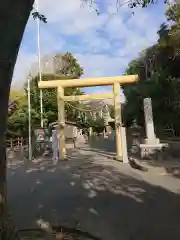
{"x":169,"y":169}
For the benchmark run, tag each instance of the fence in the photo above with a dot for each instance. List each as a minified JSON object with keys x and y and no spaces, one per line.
{"x":16,"y":149}
{"x":16,"y":143}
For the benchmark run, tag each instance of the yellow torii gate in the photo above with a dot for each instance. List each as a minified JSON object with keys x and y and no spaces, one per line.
{"x":87,"y":82}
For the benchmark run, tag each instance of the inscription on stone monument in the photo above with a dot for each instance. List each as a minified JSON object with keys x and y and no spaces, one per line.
{"x":148,"y":110}
{"x":149,"y":124}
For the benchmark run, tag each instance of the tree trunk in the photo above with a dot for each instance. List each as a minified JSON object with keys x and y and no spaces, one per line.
{"x":13,"y":18}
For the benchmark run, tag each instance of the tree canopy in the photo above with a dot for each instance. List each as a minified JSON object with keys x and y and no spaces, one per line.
{"x":68,"y":68}
{"x":159,"y":77}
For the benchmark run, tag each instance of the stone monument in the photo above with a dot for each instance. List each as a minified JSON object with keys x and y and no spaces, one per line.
{"x":106,"y":115}
{"x":151,"y":144}
{"x":135,"y":128}
{"x":106,"y":118}
{"x":94,"y":116}
{"x":149,"y":124}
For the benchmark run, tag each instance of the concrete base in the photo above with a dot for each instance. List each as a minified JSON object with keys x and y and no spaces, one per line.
{"x":106,"y":136}
{"x":150,"y":149}
{"x":120,"y":158}
{"x":151,"y":141}
{"x":124,"y":145}
{"x":70,"y":143}
{"x":108,"y":129}
{"x":74,"y":142}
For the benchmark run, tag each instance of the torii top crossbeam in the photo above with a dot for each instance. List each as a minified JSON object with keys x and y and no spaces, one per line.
{"x":88,"y":82}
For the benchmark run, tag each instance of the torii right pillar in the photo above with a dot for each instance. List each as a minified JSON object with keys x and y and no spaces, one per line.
{"x":121,"y":146}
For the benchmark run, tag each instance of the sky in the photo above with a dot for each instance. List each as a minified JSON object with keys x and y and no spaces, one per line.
{"x":103,"y":44}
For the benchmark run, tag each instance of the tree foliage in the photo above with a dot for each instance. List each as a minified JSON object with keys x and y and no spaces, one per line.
{"x":159,"y":78}
{"x":50,"y":98}
{"x":67,"y":65}
{"x":130,"y":3}
{"x":68,"y":68}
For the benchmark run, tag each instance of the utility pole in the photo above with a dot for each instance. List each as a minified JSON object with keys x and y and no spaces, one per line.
{"x":29,"y":121}
{"x":39,"y":62}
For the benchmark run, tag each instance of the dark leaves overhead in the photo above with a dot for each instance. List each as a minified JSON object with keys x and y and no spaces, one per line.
{"x":41,"y":17}
{"x":143,"y":3}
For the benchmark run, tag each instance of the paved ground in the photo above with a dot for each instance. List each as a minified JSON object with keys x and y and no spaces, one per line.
{"x":106,"y":198}
{"x":166,"y":163}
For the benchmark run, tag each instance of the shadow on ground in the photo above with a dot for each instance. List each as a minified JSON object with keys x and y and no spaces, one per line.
{"x":166,"y":161}
{"x":88,"y":192}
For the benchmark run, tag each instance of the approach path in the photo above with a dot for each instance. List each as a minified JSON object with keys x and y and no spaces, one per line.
{"x":98,"y":195}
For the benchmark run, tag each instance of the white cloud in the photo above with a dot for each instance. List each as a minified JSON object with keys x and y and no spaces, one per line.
{"x":70,"y":16}
{"x":49,"y":43}
{"x":95,"y":43}
{"x":59,"y":11}
{"x":95,"y":49}
{"x":22,"y":68}
{"x":99,"y":64}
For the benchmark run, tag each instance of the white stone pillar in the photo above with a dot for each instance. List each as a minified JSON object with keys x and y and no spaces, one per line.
{"x":100,"y":113}
{"x":90,"y":131}
{"x":106,"y":115}
{"x":124,"y":145}
{"x":94,"y":116}
{"x":149,"y":124}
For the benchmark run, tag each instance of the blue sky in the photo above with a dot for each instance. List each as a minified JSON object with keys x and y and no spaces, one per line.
{"x":103,"y":44}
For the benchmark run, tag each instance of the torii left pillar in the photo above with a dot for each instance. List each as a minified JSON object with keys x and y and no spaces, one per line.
{"x":61,"y":120}
{"x":118,"y":121}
